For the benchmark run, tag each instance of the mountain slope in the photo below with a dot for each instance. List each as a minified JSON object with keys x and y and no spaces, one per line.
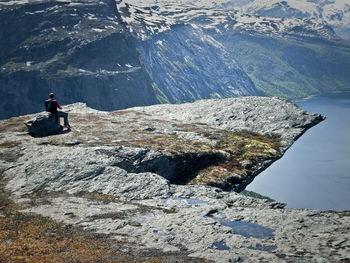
{"x":114,"y":55}
{"x":291,"y":58}
{"x":336,"y":12}
{"x":188,"y":64}
{"x":83,"y":51}
{"x":292,"y":68}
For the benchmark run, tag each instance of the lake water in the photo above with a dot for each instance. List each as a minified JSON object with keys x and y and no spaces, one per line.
{"x":315,"y":171}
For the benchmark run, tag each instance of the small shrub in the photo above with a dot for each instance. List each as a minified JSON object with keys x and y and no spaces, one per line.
{"x":11,"y":144}
{"x":170,"y":211}
{"x":256,"y":195}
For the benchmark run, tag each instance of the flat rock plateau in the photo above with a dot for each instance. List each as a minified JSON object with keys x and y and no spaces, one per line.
{"x":161,"y":183}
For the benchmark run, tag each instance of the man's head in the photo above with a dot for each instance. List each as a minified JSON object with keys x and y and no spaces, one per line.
{"x":51,"y":95}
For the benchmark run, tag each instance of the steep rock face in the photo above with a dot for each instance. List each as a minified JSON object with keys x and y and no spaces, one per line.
{"x":83,"y":51}
{"x":80,"y":50}
{"x":188,"y":64}
{"x":112,"y":174}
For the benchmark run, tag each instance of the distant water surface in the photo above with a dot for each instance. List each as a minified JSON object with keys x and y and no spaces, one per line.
{"x":315,"y":171}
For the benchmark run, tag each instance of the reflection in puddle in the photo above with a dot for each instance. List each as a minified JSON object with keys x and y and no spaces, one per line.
{"x":220,"y":246}
{"x":248,"y":229}
{"x":220,"y":215}
{"x":244,"y":228}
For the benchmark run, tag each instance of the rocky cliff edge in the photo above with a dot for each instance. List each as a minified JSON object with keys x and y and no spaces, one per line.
{"x":156,"y":179}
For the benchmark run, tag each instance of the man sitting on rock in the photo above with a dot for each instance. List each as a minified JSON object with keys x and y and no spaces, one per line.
{"x":52,"y":107}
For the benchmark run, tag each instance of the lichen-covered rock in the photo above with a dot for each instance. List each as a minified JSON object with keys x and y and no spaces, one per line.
{"x":208,"y":223}
{"x":259,"y":114}
{"x":222,"y":143}
{"x":43,"y":124}
{"x":113,"y":174}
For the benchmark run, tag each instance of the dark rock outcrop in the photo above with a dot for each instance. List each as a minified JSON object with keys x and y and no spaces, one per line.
{"x":43,"y":124}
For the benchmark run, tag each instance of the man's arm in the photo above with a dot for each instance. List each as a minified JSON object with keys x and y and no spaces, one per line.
{"x":57,"y":105}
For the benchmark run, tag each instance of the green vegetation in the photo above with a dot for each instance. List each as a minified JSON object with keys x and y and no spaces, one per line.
{"x":170,"y":211}
{"x":256,"y":195}
{"x":291,"y":69}
{"x":244,"y":149}
{"x":161,"y":97}
{"x":189,"y":63}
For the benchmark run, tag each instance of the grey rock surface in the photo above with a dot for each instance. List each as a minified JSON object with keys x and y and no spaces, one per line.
{"x":43,"y":124}
{"x":98,"y":179}
{"x":81,"y":161}
{"x":260,"y":114}
{"x":211,"y":224}
{"x":80,"y":169}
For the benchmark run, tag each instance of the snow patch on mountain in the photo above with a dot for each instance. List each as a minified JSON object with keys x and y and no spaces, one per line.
{"x":336,"y":13}
{"x":145,"y":21}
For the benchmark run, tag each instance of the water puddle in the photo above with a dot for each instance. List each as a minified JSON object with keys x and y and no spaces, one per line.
{"x":244,"y":228}
{"x":248,"y":229}
{"x":221,"y":245}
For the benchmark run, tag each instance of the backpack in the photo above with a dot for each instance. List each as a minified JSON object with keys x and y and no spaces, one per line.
{"x":49,"y":106}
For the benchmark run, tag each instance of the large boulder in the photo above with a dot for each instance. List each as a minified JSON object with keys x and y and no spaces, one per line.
{"x":43,"y":124}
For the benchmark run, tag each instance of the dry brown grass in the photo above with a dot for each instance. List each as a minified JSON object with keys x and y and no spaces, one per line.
{"x":173,"y":144}
{"x":34,"y":238}
{"x":241,"y":152}
{"x":14,"y":124}
{"x":9,"y":151}
{"x":31,"y":238}
{"x":246,"y":150}
{"x":120,"y":112}
{"x":10,"y":144}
